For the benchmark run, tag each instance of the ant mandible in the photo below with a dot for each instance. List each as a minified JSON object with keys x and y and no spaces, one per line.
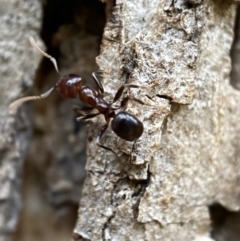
{"x":124,"y":124}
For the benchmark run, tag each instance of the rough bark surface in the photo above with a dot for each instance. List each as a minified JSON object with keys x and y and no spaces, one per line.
{"x":19,"y":20}
{"x":188,"y":156}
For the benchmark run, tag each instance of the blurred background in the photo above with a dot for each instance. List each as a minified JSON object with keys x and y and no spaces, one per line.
{"x":53,"y":179}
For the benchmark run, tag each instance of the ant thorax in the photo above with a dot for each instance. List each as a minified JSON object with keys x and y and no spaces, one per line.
{"x":93,"y":98}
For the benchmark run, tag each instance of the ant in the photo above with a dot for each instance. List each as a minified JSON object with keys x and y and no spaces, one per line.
{"x":124,"y":124}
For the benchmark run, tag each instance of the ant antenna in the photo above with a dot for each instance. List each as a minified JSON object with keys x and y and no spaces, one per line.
{"x":53,"y":60}
{"x":18,"y":102}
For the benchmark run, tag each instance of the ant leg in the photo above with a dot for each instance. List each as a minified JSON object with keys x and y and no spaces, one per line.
{"x":130,"y":155}
{"x":85,"y":117}
{"x":126,"y":99}
{"x":80,"y":110}
{"x":99,"y":84}
{"x":103,"y":129}
{"x":121,"y":89}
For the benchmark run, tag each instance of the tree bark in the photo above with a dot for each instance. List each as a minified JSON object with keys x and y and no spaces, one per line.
{"x":187,"y":158}
{"x":186,"y":161}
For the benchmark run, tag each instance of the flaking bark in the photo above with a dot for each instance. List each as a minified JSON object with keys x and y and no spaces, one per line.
{"x":187,"y":158}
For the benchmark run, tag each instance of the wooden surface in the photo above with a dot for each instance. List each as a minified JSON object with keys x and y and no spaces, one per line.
{"x":187,"y":158}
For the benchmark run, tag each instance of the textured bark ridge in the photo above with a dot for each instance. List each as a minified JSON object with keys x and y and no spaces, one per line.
{"x":19,"y":20}
{"x":188,"y":156}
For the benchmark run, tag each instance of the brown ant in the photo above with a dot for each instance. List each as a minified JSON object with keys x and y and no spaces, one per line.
{"x":125,"y":125}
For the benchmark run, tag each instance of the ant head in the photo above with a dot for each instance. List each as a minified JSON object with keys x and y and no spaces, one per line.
{"x":69,"y":85}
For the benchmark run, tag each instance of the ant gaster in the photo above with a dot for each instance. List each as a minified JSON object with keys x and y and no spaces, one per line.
{"x":125,"y":125}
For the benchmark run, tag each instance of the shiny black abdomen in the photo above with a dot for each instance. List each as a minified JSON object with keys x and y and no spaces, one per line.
{"x":127,"y":126}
